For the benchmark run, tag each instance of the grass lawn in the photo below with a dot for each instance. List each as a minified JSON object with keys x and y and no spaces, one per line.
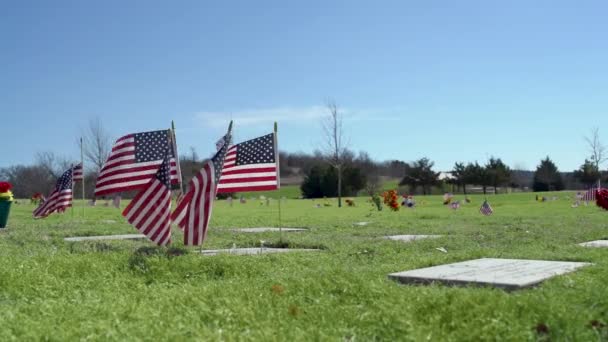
{"x":120,"y":290}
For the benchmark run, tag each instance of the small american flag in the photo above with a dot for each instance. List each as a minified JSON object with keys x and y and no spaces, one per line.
{"x":251,"y":166}
{"x":150,"y":210}
{"x":589,"y":196}
{"x":455,"y":205}
{"x":486,"y":209}
{"x":78,"y":174}
{"x":193,"y":212}
{"x":59,"y":199}
{"x":134,"y":162}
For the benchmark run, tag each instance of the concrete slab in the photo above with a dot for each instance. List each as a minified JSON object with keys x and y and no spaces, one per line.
{"x":268,"y":229}
{"x":254,"y":251}
{"x":596,"y":243}
{"x":105,"y":237}
{"x":410,"y":238}
{"x":509,"y":274}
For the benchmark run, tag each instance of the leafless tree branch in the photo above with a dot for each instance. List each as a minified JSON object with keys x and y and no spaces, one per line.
{"x":96,"y":143}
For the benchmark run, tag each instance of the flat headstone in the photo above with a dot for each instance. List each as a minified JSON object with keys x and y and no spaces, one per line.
{"x":268,"y":229}
{"x":108,"y":221}
{"x":255,"y":251}
{"x":596,"y":243}
{"x":510,"y":274}
{"x":361,"y":223}
{"x":106,"y":237}
{"x":409,"y":238}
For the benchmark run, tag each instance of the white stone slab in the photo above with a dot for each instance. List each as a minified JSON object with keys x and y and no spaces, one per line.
{"x":596,"y":243}
{"x":364,"y":223}
{"x":254,"y":251}
{"x":409,"y":238}
{"x":510,"y":274}
{"x":268,"y":229}
{"x":106,"y":237}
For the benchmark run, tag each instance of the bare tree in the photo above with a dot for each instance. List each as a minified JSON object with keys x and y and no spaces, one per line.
{"x":51,"y":163}
{"x":97,"y":143}
{"x":597,"y":150}
{"x":335,"y":146}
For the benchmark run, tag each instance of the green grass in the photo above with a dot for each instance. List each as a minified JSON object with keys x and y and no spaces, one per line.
{"x":119,"y":290}
{"x":287,"y":191}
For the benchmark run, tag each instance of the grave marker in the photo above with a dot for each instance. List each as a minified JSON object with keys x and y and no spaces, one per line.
{"x":596,"y":243}
{"x":509,"y":274}
{"x":268,"y":229}
{"x":254,"y":251}
{"x":409,"y":238}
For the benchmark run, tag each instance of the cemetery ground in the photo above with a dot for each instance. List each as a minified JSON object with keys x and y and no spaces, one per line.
{"x":51,"y":289}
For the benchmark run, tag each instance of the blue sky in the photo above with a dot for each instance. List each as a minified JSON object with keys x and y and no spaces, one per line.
{"x":451,"y":80}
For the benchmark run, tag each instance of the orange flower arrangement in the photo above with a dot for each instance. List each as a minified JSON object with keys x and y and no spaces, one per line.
{"x":390,"y":199}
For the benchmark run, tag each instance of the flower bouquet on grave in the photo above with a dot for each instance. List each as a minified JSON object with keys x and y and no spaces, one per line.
{"x":350,"y":202}
{"x":601,"y":198}
{"x":36,"y":198}
{"x":390,"y":199}
{"x":6,"y":199}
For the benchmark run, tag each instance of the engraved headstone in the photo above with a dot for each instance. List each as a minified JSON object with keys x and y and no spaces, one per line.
{"x":510,"y":274}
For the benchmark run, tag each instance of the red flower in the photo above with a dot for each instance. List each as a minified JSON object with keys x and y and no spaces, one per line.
{"x":5,"y":186}
{"x":601,"y":198}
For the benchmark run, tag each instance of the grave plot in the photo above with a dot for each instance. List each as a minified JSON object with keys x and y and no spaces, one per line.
{"x":509,"y":274}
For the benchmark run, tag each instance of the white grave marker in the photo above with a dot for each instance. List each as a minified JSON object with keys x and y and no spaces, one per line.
{"x":254,"y":251}
{"x":510,"y":274}
{"x":409,"y":238}
{"x":596,"y":243}
{"x":268,"y":229}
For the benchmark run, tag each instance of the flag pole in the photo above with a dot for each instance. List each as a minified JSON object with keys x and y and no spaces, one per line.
{"x":84,"y":202}
{"x":278,"y":170}
{"x":179,"y":169}
{"x":72,"y":171}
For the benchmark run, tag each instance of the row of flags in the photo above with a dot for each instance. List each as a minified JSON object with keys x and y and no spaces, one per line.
{"x":147,"y":163}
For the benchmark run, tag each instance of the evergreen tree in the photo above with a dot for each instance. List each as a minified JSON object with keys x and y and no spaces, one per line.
{"x":497,"y":173}
{"x":311,"y":186}
{"x":547,"y":177}
{"x":460,"y":176}
{"x":420,"y":173}
{"x":588,"y":174}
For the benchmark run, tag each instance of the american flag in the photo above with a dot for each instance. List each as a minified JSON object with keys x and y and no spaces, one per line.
{"x":486,"y":209}
{"x":150,"y":210}
{"x":455,"y":205}
{"x":59,"y":199}
{"x":589,"y":196}
{"x":78,"y":174}
{"x":251,"y":166}
{"x":134,"y":162}
{"x":193,"y":212}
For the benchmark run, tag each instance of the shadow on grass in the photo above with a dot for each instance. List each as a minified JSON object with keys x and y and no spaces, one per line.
{"x":290,"y":244}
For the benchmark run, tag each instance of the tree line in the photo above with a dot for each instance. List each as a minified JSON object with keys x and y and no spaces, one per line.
{"x":335,"y":171}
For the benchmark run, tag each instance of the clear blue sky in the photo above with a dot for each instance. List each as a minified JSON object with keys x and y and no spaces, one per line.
{"x":451,"y":80}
